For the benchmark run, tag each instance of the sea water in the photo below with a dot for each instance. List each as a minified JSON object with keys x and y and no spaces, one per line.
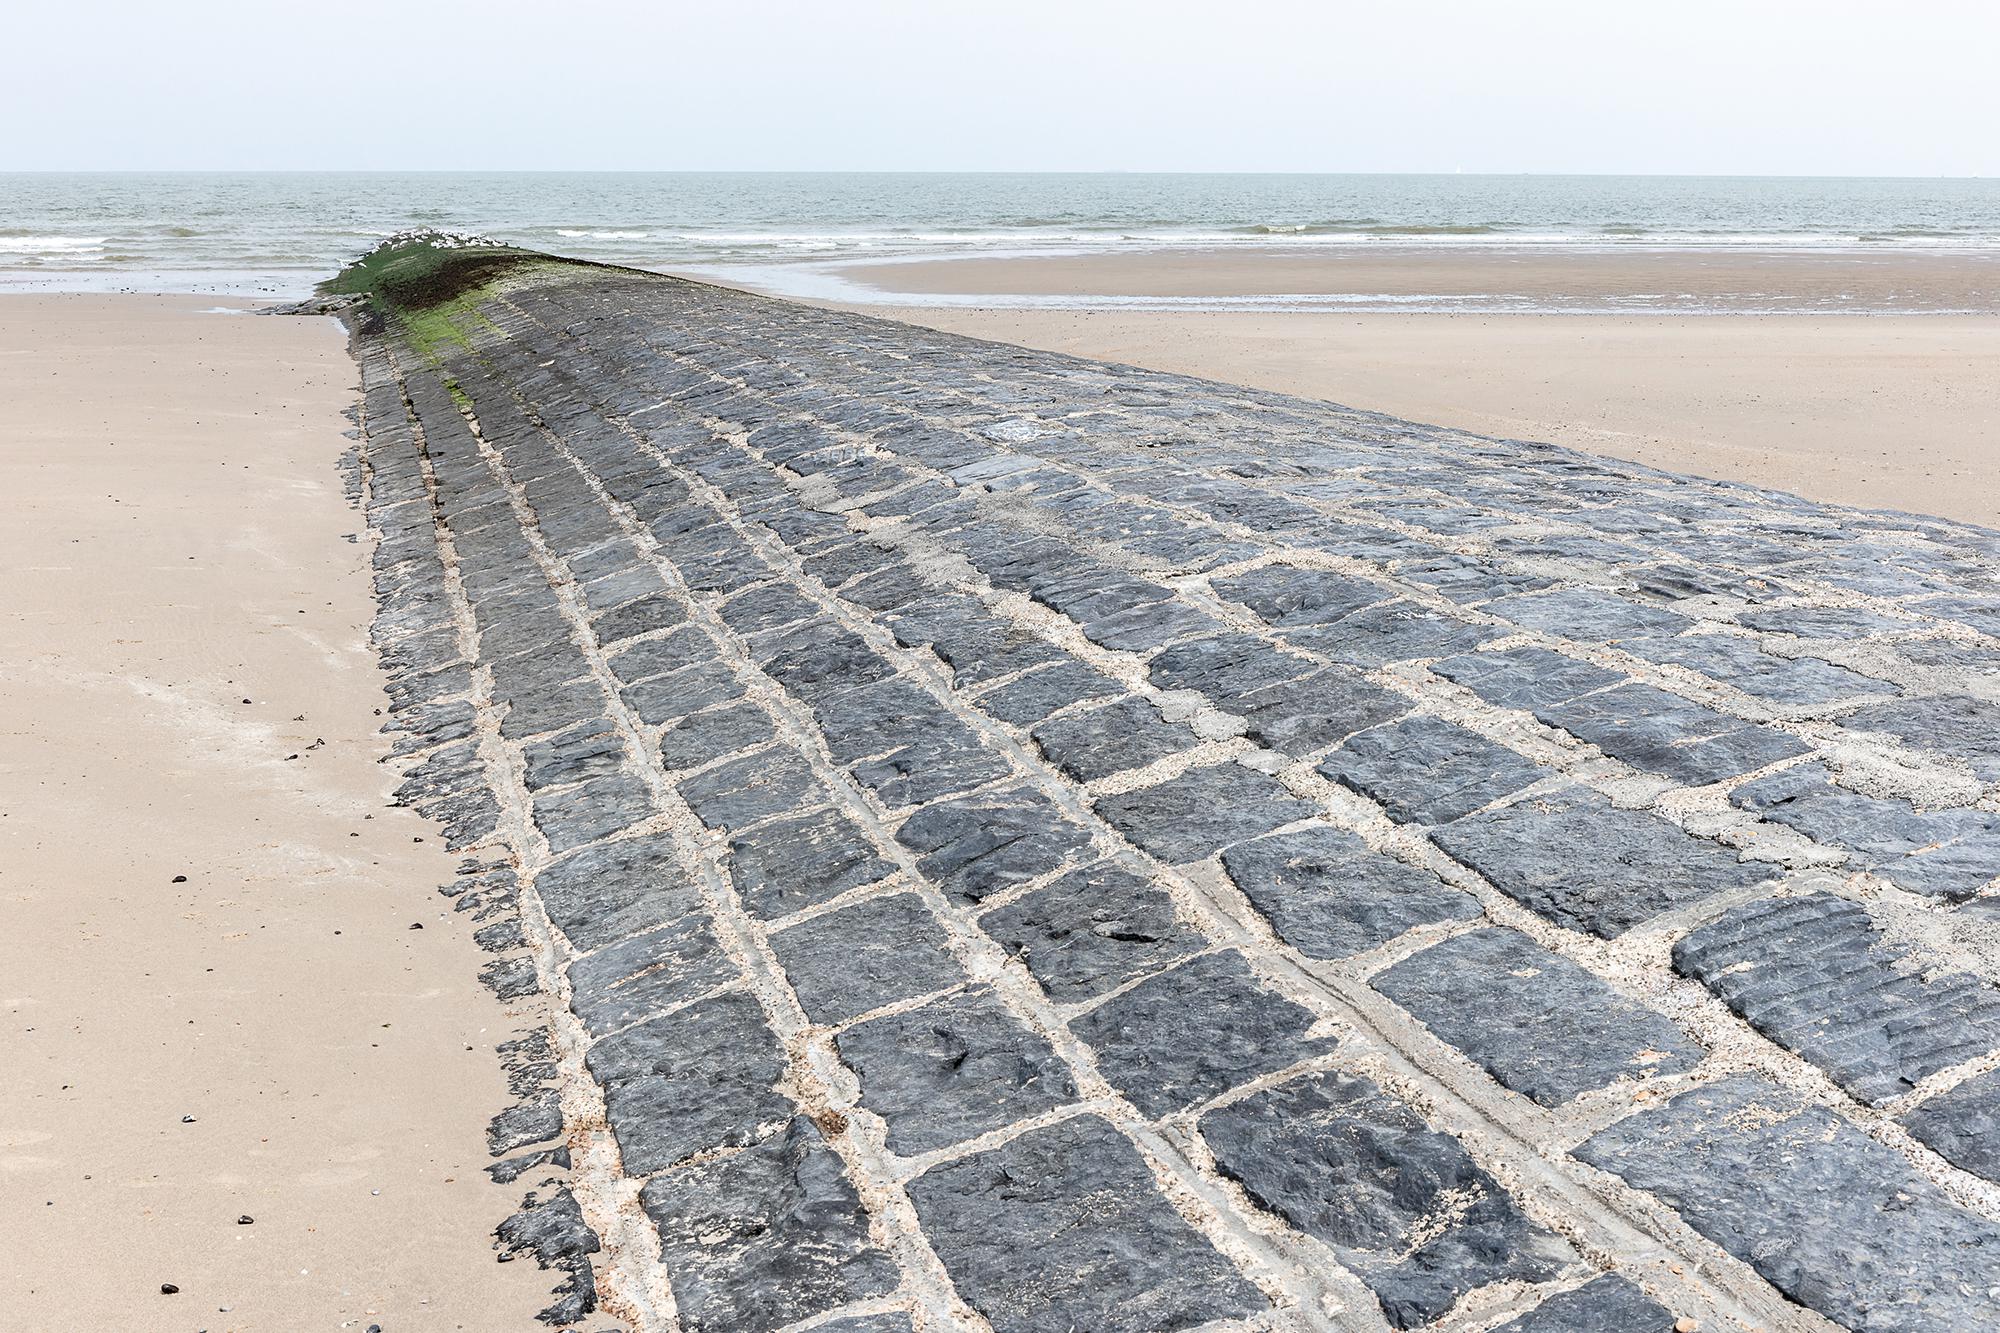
{"x":278,"y":232}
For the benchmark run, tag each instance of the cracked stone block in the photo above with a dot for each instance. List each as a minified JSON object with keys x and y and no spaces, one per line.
{"x":1651,"y":729}
{"x":685,"y":647}
{"x":551,"y":709}
{"x":1092,"y":931}
{"x":1040,"y":693}
{"x":976,"y":846}
{"x":859,"y":958}
{"x":572,"y":816}
{"x":951,"y":1070}
{"x":767,"y":607}
{"x":1425,"y":770}
{"x":649,"y":973}
{"x":668,"y":698}
{"x":1525,"y":678}
{"x":1300,"y":716}
{"x":1541,"y":1025}
{"x":1737,"y":661}
{"x":756,"y":786}
{"x":1962,"y":1125}
{"x":790,"y":864}
{"x":1574,"y":859}
{"x":1284,"y":595}
{"x":1329,"y":896}
{"x":1839,"y":1223}
{"x":1399,"y":631}
{"x":1841,"y":624}
{"x":706,"y":736}
{"x":1401,"y":1204}
{"x":896,"y":1322}
{"x":1143,"y":628}
{"x":1064,"y":1228}
{"x":1196,"y":815}
{"x":606,"y":893}
{"x":1101,"y":741}
{"x":816,"y":658}
{"x":699,"y":1078}
{"x":586,"y":752}
{"x":760,"y":1240}
{"x":1961,"y":727}
{"x":1588,"y":613}
{"x":1195,"y":1031}
{"x":1608,"y":1304}
{"x":635,"y":618}
{"x":553,"y":1230}
{"x":1948,"y":853}
{"x":1226,"y":667}
{"x":1814,"y":975}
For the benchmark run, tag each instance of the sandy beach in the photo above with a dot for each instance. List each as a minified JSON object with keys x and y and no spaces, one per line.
{"x":1889,"y":410}
{"x":236,"y":1064}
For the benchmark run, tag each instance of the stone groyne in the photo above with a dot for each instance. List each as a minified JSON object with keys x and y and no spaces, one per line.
{"x":989,"y":840}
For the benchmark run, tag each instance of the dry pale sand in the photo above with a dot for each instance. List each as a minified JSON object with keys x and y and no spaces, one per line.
{"x":185,"y":690}
{"x":1890,"y":411}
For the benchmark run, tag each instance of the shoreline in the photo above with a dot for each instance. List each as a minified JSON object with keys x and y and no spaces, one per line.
{"x":294,"y":1033}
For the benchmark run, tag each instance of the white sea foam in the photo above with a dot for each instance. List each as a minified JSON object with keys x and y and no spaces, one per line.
{"x":602,"y":235}
{"x":51,"y":245}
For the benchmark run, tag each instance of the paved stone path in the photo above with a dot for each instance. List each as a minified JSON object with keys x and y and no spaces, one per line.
{"x":1017,"y":843}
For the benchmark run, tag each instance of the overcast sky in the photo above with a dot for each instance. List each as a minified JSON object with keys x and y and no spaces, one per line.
{"x":1750,"y":86}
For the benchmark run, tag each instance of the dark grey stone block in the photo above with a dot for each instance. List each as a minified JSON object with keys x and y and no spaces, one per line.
{"x":765,"y":1238}
{"x":1064,"y":1228}
{"x":1195,"y":1031}
{"x":793,"y":863}
{"x":1962,"y":1125}
{"x":1738,"y":661}
{"x":1537,"y":1022}
{"x":1102,"y":741}
{"x":1836,"y":1221}
{"x":756,"y":786}
{"x":651,"y":972}
{"x":951,"y":1070}
{"x":1300,"y":716}
{"x":977,"y":846}
{"x":1039,"y":693}
{"x":1092,"y":931}
{"x":1399,"y":631}
{"x":1588,"y":613}
{"x":699,"y":1078}
{"x":636,"y":618}
{"x":1664,"y":733}
{"x":702,"y":737}
{"x":1403,"y":1205}
{"x":1577,"y":861}
{"x":685,"y":647}
{"x":1608,"y":1304}
{"x":1961,"y":727}
{"x":668,"y":698}
{"x":862,"y":957}
{"x":1196,"y":815}
{"x":605,"y":893}
{"x":1813,"y":974}
{"x":1950,"y":853}
{"x":1429,"y":771}
{"x":1283,"y":595}
{"x":585,"y":752}
{"x":572,"y":816}
{"x":1328,"y":896}
{"x":1527,"y":678}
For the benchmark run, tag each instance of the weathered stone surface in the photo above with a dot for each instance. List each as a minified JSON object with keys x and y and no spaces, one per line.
{"x":572,"y":816}
{"x":699,"y":1078}
{"x":1040,"y":693}
{"x":951,"y":1070}
{"x":760,"y":784}
{"x":1539,"y":1023}
{"x":1528,"y":678}
{"x":1101,"y":741}
{"x":1651,"y":729}
{"x":979,"y":846}
{"x":1064,"y":1228}
{"x":1328,"y":896}
{"x":650,"y":972}
{"x":1813,"y":974}
{"x":1405,"y":1206}
{"x":1199,"y":813}
{"x":1574,"y":859}
{"x":1962,"y":728}
{"x":1092,"y":930}
{"x":862,"y":957}
{"x":765,"y":1238}
{"x":1607,"y":1304}
{"x":1950,"y":853}
{"x":1194,"y":1032}
{"x":1588,"y":613}
{"x":606,"y":893}
{"x":1428,"y":771}
{"x":1738,"y":661}
{"x":711,"y":735}
{"x":1963,"y":1125}
{"x":1831,"y":1218}
{"x":790,"y":864}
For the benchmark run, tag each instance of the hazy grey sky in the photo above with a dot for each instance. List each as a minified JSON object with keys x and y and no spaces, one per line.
{"x":1753,"y":86}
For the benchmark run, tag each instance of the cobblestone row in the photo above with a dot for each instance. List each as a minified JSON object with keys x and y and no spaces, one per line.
{"x":1007,"y":842}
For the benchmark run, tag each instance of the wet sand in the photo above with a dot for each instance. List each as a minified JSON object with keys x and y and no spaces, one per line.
{"x":186,"y":690}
